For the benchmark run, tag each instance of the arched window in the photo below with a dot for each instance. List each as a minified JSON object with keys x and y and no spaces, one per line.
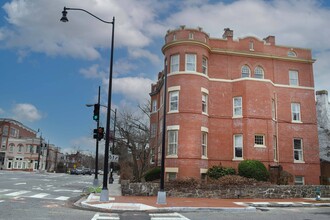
{"x":20,"y":148}
{"x":258,"y":73}
{"x":11,"y":147}
{"x":245,"y":71}
{"x":291,"y":53}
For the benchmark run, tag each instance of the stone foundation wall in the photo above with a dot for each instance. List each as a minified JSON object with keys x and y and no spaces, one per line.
{"x":271,"y":192}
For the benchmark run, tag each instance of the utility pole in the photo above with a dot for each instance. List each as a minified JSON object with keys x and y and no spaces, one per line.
{"x":96,"y":181}
{"x":113,"y":147}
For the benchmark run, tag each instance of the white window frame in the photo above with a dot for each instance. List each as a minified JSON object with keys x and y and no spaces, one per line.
{"x":298,"y":152}
{"x":259,"y":73}
{"x":245,"y":70}
{"x":238,"y":145}
{"x":172,"y":142}
{"x":205,"y":65}
{"x":175,"y":63}
{"x":257,"y":139}
{"x":171,"y":176}
{"x":190,"y":64}
{"x":204,"y":144}
{"x":295,"y":112}
{"x":237,"y":107}
{"x":299,"y":180}
{"x":191,"y":36}
{"x":172,"y":101}
{"x":205,"y":103}
{"x":293,"y":78}
{"x":154,"y":105}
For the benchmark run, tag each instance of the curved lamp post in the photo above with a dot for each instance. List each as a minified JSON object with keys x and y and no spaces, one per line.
{"x":104,"y":193}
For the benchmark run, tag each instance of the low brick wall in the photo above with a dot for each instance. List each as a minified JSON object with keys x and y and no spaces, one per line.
{"x":270,"y":192}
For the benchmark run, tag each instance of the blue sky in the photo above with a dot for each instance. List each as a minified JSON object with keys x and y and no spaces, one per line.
{"x":49,"y":70}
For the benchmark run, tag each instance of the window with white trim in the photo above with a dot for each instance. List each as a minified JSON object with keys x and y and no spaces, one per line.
{"x":245,"y":71}
{"x":5,"y":130}
{"x":293,"y":78}
{"x":154,"y":105}
{"x":175,"y":60}
{"x":204,"y":144}
{"x":204,"y":65}
{"x":20,"y":148}
{"x":299,"y":180}
{"x":291,"y":54}
{"x":172,"y":148}
{"x":258,"y":73}
{"x":238,"y":146}
{"x":204,"y":102}
{"x":174,"y":101}
{"x":295,"y":112}
{"x":298,"y":149}
{"x":190,"y":62}
{"x":11,"y":147}
{"x":191,"y":36}
{"x":237,"y":107}
{"x":171,"y":176}
{"x":259,"y":139}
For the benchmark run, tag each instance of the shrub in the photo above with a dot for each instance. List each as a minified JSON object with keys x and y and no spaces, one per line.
{"x":216,"y":172}
{"x":235,"y":180}
{"x":253,"y":169}
{"x":153,"y":174}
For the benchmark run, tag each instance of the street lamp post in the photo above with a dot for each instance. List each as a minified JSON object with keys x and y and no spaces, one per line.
{"x":104,"y":193}
{"x":39,"y":152}
{"x":161,"y":196}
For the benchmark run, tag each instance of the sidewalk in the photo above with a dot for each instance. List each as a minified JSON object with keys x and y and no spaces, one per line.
{"x":149,"y":203}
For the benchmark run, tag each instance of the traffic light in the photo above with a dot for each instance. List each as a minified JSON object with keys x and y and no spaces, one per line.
{"x":96,"y":115}
{"x":95,"y":133}
{"x":100,"y":133}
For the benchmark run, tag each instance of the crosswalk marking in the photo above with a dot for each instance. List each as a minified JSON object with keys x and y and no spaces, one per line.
{"x":62,"y":198}
{"x":17,"y":193}
{"x":167,"y":216}
{"x":2,"y":200}
{"x":40,"y":195}
{"x":106,"y":216}
{"x":4,"y":190}
{"x":16,"y":184}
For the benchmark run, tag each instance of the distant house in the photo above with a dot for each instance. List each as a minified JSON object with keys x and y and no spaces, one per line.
{"x":323,"y":120}
{"x":20,"y":147}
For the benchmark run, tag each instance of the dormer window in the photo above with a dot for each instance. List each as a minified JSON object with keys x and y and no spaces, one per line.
{"x":292,"y":54}
{"x":251,"y":46}
{"x":191,"y":36}
{"x":174,"y":37}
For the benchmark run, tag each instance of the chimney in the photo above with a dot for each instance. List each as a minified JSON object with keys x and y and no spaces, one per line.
{"x":270,"y":40}
{"x":228,"y":34}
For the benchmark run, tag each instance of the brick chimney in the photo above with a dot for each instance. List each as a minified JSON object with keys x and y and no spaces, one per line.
{"x":270,"y":40}
{"x":228,"y":34}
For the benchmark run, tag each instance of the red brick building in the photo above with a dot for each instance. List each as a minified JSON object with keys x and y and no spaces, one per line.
{"x":234,"y":99}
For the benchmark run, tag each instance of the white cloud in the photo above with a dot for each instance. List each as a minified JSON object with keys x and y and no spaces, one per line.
{"x":26,"y":112}
{"x":2,"y":111}
{"x":133,"y":88}
{"x":93,"y":72}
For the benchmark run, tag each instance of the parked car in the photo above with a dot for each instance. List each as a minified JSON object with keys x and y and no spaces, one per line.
{"x":73,"y":171}
{"x":79,"y":171}
{"x":86,"y":171}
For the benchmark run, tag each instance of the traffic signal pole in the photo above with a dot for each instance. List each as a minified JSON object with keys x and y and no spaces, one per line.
{"x":96,"y":181}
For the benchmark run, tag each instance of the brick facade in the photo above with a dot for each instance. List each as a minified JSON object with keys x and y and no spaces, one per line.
{"x":215,"y":102}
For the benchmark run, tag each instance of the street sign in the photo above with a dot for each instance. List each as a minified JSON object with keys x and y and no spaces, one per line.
{"x":114,"y":158}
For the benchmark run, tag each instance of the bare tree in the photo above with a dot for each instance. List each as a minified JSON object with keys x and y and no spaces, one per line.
{"x":133,"y":140}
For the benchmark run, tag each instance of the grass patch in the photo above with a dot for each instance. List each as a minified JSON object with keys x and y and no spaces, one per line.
{"x":92,"y":189}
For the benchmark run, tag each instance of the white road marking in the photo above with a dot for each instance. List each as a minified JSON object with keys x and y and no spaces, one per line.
{"x":16,"y":184}
{"x":17,"y":193}
{"x":67,"y":190}
{"x":4,"y":190}
{"x":2,"y":200}
{"x":107,"y":216}
{"x":167,"y":216}
{"x":63,"y":198}
{"x":40,"y":195}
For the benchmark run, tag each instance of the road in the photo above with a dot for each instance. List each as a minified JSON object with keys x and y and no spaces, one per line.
{"x":28,"y":196}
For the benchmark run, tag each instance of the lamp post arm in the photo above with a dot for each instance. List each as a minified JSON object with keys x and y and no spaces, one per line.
{"x":80,"y":9}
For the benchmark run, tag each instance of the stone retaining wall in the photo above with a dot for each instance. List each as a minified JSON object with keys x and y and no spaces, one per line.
{"x":271,"y":192}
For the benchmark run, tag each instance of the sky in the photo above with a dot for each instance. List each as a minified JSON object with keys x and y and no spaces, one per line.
{"x":50,"y":70}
